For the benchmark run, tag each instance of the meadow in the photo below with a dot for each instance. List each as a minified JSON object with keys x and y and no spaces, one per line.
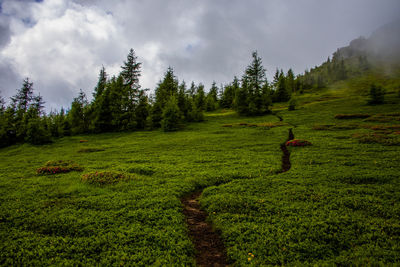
{"x":339,"y":204}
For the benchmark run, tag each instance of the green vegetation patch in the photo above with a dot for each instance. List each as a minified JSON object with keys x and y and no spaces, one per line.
{"x":377,"y":138}
{"x":143,"y":170}
{"x":105,"y":178}
{"x":335,"y":127}
{"x":389,"y":117}
{"x":59,"y":166}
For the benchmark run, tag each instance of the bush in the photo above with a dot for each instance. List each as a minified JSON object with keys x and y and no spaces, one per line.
{"x":292,"y":104}
{"x":36,"y":134}
{"x":59,"y":166}
{"x":104,"y":178}
{"x":376,"y":95}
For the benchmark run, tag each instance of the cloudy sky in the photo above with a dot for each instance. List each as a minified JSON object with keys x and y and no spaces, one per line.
{"x":62,"y":44}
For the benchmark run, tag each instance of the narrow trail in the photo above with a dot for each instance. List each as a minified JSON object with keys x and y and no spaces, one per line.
{"x":210,"y":250}
{"x":286,"y":165}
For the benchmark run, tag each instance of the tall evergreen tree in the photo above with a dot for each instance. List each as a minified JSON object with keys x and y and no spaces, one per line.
{"x":101,"y":84}
{"x":77,"y":114}
{"x":172,"y":117}
{"x":281,"y":94}
{"x":241,"y":103}
{"x":212,"y":98}
{"x":290,"y":84}
{"x":200,"y":98}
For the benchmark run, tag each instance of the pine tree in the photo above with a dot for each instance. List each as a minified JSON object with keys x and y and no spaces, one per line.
{"x":281,"y":93}
{"x":200,"y":98}
{"x":77,"y":114}
{"x":131,"y":71}
{"x":142,"y":110}
{"x":376,"y":95}
{"x":212,"y":98}
{"x":171,"y":117}
{"x":255,"y":73}
{"x":167,"y":87}
{"x":241,"y":103}
{"x":290,"y":84}
{"x":101,"y":84}
{"x":23,"y":97}
{"x":182,"y":99}
{"x":131,"y":90}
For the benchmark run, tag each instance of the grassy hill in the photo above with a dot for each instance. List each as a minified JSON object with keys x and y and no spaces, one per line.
{"x":338,"y":204}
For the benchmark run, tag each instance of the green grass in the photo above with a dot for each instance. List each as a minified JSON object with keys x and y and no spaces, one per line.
{"x":338,"y":204}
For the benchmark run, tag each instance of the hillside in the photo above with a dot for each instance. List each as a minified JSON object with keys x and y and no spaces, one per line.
{"x":337,"y":204}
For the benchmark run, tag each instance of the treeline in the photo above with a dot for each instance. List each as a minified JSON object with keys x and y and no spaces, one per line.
{"x":120,"y":104}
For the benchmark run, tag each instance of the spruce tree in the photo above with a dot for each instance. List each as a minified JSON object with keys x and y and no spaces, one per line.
{"x":290,"y":84}
{"x":101,"y":84}
{"x":200,"y":98}
{"x":212,"y":98}
{"x":77,"y":114}
{"x":171,"y":117}
{"x":281,"y":93}
{"x":142,"y":110}
{"x":131,"y":90}
{"x":241,"y":103}
{"x":376,"y":95}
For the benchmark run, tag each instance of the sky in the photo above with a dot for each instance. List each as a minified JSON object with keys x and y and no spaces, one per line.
{"x":61,"y":45}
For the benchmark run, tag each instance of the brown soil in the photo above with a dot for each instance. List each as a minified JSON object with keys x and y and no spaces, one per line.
{"x":210,"y":250}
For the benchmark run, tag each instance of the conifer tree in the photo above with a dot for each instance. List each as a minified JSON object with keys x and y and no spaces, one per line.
{"x":241,"y":103}
{"x":142,"y":110}
{"x":77,"y":114}
{"x":101,"y":84}
{"x":182,"y":99}
{"x":212,"y":98}
{"x":200,"y":98}
{"x":281,"y":93}
{"x":290,"y":84}
{"x":171,"y":117}
{"x":131,"y":90}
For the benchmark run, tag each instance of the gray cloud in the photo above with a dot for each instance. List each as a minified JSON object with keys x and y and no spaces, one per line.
{"x":61,"y":44}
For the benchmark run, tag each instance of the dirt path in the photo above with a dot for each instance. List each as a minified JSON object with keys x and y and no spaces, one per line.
{"x":286,"y":165}
{"x":210,"y":250}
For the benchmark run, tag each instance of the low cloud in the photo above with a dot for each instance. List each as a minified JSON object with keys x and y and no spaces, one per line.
{"x":62,"y":44}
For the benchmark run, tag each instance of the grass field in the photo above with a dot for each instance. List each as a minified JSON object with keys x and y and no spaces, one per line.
{"x":338,"y":204}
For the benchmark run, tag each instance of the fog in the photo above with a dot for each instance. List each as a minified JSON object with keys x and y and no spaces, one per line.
{"x":62,"y":44}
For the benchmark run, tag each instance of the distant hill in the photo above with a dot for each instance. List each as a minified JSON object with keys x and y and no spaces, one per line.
{"x":376,"y":55}
{"x":382,"y":46}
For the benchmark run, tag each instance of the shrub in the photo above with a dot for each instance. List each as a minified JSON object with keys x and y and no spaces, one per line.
{"x":59,"y":166}
{"x":376,"y":95}
{"x":36,"y":133}
{"x":143,"y":170}
{"x":298,"y":142}
{"x":377,"y":138}
{"x":292,"y":104}
{"x":104,"y":178}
